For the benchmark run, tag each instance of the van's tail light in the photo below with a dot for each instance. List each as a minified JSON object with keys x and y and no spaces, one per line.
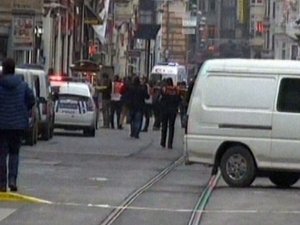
{"x":90,"y":105}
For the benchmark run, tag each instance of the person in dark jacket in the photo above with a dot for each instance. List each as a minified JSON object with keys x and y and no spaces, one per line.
{"x":170,"y":100}
{"x":16,"y":99}
{"x":137,"y":96}
{"x":106,"y":87}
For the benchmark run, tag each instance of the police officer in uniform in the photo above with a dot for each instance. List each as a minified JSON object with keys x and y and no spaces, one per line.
{"x":170,"y":100}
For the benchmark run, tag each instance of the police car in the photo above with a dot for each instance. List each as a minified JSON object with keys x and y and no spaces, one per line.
{"x":75,"y":108}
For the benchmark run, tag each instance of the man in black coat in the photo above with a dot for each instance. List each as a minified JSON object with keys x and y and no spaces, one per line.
{"x":137,"y":96}
{"x":16,"y":99}
{"x":170,"y":100}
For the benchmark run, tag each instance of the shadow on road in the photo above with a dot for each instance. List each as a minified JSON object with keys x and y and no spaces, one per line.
{"x":69,"y":134}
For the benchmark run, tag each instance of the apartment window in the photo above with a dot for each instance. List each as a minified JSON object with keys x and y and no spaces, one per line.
{"x":252,"y":28}
{"x":212,"y":5}
{"x":289,"y":95}
{"x":283,"y":51}
{"x":294,"y":52}
{"x":273,"y":42}
{"x":268,"y":40}
{"x":3,"y":49}
{"x":268,"y":8}
{"x":274,"y":10}
{"x":256,"y":2}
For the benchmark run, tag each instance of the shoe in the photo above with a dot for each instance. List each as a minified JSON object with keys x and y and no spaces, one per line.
{"x":120,"y":127}
{"x":170,"y":147}
{"x":156,"y":128}
{"x":13,"y":188}
{"x":144,"y":130}
{"x":163,"y":145}
{"x":2,"y":189}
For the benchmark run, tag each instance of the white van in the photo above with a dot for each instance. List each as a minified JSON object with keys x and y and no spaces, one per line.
{"x":244,"y":118}
{"x":37,"y":80}
{"x":44,"y":100}
{"x":175,"y":71}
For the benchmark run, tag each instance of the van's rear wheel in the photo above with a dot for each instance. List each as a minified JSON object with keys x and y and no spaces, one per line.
{"x":284,"y":179}
{"x":238,"y":167}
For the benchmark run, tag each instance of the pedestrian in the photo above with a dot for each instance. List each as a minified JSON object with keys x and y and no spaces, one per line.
{"x":16,"y":101}
{"x":156,"y":93}
{"x":147,"y":111}
{"x":116,"y":104}
{"x":170,"y":100}
{"x":190,"y":89}
{"x":105,"y":89}
{"x":125,"y":100}
{"x":183,"y":103}
{"x":137,"y":96}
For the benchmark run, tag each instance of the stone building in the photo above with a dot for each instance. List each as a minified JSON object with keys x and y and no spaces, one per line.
{"x":20,"y":23}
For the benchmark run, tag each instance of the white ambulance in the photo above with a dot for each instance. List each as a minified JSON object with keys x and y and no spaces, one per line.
{"x":175,"y":71}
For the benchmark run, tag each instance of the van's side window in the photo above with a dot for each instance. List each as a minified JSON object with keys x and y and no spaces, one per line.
{"x":289,"y":95}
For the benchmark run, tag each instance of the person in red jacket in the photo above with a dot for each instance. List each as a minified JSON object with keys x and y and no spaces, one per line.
{"x":124,"y":99}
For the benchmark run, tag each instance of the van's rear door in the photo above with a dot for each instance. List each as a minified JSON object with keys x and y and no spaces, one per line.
{"x":286,"y":125}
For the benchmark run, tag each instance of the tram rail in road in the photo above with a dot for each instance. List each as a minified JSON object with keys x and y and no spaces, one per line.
{"x":197,"y":212}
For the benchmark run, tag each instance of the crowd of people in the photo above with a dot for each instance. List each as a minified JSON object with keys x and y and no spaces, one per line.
{"x":134,"y":100}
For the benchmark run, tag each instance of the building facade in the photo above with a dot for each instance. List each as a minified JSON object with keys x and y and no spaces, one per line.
{"x":20,"y":23}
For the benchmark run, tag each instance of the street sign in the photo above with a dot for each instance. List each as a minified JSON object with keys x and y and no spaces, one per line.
{"x":188,"y":30}
{"x":190,"y":22}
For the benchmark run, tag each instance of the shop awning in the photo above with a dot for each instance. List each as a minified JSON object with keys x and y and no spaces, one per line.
{"x":147,"y":31}
{"x":100,"y":30}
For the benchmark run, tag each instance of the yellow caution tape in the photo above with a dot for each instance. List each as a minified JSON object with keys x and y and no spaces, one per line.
{"x":15,"y":197}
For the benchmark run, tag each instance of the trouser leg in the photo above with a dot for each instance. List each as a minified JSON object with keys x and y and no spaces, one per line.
{"x":118,"y":111}
{"x":3,"y":161}
{"x":171,"y":120}
{"x":14,"y":144}
{"x":105,"y":111}
{"x":157,"y":116}
{"x":164,"y":129}
{"x":112,"y":113}
{"x":147,"y":117}
{"x":137,"y":123}
{"x":132,"y":116}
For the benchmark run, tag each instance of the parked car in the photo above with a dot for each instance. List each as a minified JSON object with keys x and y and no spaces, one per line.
{"x":31,"y":134}
{"x":45,"y":104}
{"x":75,"y":108}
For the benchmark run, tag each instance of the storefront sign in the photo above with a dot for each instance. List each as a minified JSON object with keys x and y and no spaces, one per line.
{"x":23,"y":32}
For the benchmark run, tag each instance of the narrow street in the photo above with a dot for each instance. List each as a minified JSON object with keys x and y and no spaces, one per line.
{"x":84,"y":179}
